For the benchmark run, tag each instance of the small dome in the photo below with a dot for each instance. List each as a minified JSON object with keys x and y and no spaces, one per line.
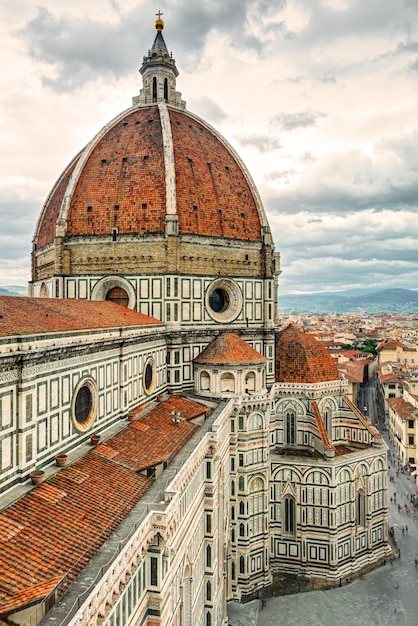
{"x":300,"y":358}
{"x":229,"y":349}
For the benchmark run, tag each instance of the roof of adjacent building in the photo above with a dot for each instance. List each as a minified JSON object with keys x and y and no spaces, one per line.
{"x":27,"y":316}
{"x":229,"y":349}
{"x":300,"y":358}
{"x":49,"y":535}
{"x":119,"y":180}
{"x":402,"y":407}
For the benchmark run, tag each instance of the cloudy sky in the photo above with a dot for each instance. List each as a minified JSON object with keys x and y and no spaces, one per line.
{"x":319,"y":97}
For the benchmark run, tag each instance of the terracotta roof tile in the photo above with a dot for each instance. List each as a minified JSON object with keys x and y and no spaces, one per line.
{"x":26,"y":316}
{"x":403,"y":408}
{"x":300,"y":358}
{"x":229,"y":349}
{"x":51,"y":533}
{"x":122,"y":183}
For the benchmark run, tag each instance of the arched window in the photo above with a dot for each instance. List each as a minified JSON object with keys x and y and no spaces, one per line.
{"x":209,"y":590}
{"x":154,"y":89}
{"x":241,"y":508}
{"x":241,"y":483}
{"x":208,"y":556}
{"x":204,"y":381}
{"x":227,"y":383}
{"x":361,"y":508}
{"x":232,"y":512}
{"x":326,"y":421}
{"x":233,"y":535}
{"x":289,"y":515}
{"x":241,"y":530}
{"x":233,"y":570}
{"x":241,"y":565}
{"x":118,"y":295}
{"x":232,"y":487}
{"x":290,"y":428}
{"x":256,"y":422}
{"x":165,"y":90}
{"x":249,"y":382}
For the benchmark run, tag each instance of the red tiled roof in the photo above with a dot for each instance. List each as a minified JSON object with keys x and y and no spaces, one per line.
{"x":122,"y":183}
{"x":229,"y":349}
{"x":58,"y":526}
{"x":300,"y":358}
{"x":26,"y":316}
{"x":403,"y":408}
{"x":390,"y":344}
{"x":52,"y":532}
{"x":153,"y":438}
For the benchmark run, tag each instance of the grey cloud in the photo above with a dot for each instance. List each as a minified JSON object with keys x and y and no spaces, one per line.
{"x":348,"y":181}
{"x":262,"y":143}
{"x":207,"y":109}
{"x":293,"y":121}
{"x":328,"y":23}
{"x":82,"y":50}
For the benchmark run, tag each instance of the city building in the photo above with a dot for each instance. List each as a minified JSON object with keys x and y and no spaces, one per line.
{"x":228,"y":460}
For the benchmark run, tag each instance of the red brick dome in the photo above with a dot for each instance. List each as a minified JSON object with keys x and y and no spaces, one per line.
{"x":300,"y":358}
{"x":149,"y":164}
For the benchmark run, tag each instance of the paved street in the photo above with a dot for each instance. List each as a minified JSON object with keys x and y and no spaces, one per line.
{"x":388,"y":596}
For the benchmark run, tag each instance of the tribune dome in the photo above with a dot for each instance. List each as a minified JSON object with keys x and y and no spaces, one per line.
{"x":155,"y":171}
{"x":300,"y":358}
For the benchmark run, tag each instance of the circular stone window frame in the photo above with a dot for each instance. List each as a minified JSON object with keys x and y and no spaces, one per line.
{"x":90,"y":383}
{"x":150,"y":389}
{"x":234,"y":295}
{"x":101,"y":289}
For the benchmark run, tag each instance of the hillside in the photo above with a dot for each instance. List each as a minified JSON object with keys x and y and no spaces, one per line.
{"x":13,"y":290}
{"x":354,"y":301}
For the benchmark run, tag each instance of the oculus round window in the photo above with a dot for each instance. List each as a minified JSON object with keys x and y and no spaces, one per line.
{"x":84,"y":404}
{"x":219,"y":300}
{"x":224,"y":300}
{"x":149,"y":376}
{"x":118,"y":296}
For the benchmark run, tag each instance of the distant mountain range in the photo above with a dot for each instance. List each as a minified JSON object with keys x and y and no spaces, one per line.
{"x":13,"y":290}
{"x":352,"y":301}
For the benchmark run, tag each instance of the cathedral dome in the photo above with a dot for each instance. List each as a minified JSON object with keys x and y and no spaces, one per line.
{"x":300,"y":358}
{"x":155,"y":202}
{"x":148,"y":165}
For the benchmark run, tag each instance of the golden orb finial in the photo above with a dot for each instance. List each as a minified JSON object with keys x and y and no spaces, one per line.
{"x":159,"y":24}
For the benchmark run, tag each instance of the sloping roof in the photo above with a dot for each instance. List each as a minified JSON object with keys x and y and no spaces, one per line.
{"x":391,"y":344}
{"x":27,"y":316}
{"x":300,"y":358}
{"x":229,"y":349}
{"x":403,"y":408}
{"x":50,"y":534}
{"x":321,"y":426}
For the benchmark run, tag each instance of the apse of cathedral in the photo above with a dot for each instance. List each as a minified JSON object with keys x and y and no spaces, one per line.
{"x":228,"y":461}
